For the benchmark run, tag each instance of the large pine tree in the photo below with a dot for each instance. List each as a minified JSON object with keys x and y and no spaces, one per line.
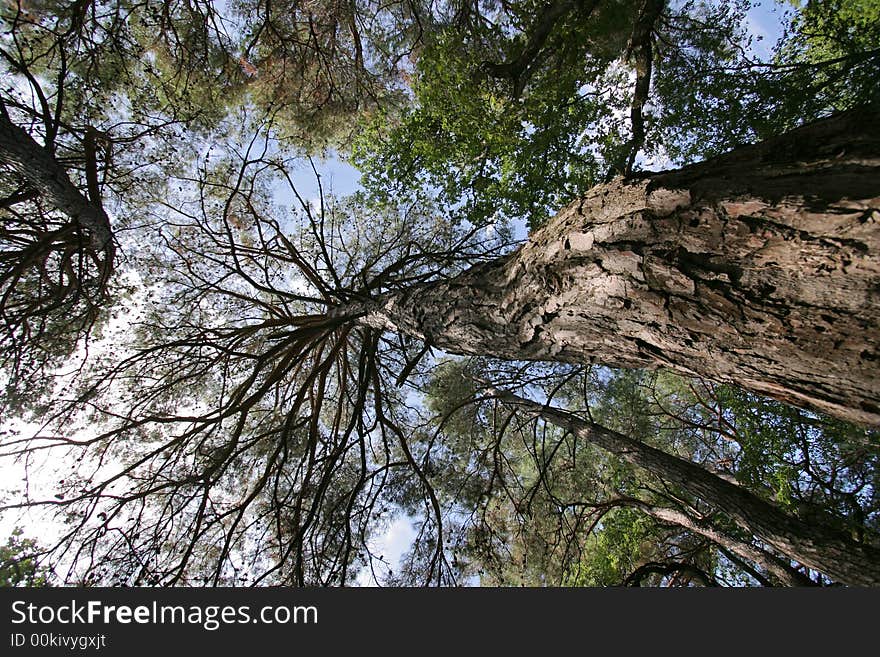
{"x":759,"y":267}
{"x":255,"y":417}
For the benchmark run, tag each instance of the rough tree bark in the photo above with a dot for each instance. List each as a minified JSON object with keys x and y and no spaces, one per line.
{"x":822,"y":548}
{"x":23,"y":155}
{"x":781,"y":572}
{"x":760,"y":268}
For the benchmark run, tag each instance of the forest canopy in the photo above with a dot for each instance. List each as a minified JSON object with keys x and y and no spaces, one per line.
{"x":601,"y":310}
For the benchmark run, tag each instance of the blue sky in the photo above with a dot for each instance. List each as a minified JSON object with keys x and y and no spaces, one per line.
{"x":765,"y":20}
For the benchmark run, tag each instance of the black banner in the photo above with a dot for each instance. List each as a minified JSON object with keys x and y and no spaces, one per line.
{"x":231,"y":621}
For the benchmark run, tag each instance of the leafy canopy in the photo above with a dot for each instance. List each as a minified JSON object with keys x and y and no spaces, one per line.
{"x":242,"y":418}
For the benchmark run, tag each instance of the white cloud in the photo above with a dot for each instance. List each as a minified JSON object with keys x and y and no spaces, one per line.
{"x":391,"y":546}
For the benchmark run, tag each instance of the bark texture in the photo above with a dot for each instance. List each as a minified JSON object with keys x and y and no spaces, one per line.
{"x":33,"y":163}
{"x":783,"y":573}
{"x":822,"y":548}
{"x":759,"y":268}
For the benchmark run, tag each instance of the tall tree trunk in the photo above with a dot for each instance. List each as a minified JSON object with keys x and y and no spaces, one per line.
{"x":781,"y":572}
{"x":821,"y":548}
{"x":33,"y":163}
{"x":760,"y":268}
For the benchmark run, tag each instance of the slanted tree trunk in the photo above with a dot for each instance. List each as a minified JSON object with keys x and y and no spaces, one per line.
{"x":819,"y":547}
{"x":33,"y":163}
{"x":759,"y":268}
{"x":781,"y":572}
